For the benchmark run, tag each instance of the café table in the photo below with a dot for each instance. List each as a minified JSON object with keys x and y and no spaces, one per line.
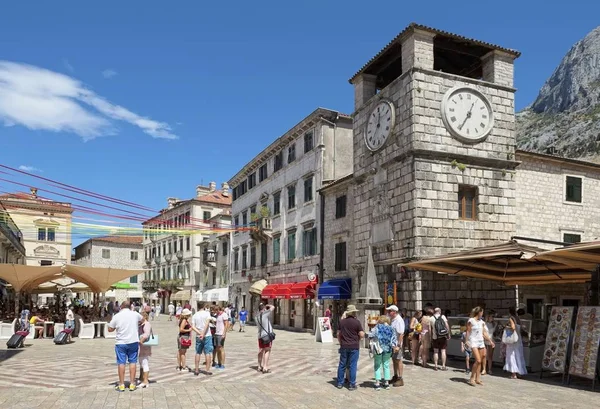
{"x":47,"y":326}
{"x":99,"y":327}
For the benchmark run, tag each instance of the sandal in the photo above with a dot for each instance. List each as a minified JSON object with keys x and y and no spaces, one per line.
{"x":266,"y":371}
{"x":479,"y":383}
{"x":471,"y":383}
{"x":187,"y":368}
{"x":259,"y":369}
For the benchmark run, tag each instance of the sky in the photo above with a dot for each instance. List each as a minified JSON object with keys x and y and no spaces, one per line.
{"x":145,"y":100}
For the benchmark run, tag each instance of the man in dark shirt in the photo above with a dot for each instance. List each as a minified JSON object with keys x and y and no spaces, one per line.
{"x":350,"y":333}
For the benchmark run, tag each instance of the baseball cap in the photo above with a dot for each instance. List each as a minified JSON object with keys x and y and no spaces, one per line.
{"x":392,"y":308}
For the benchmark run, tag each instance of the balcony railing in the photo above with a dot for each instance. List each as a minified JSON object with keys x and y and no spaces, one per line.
{"x":9,"y":229}
{"x":262,"y":230}
{"x":168,"y":257}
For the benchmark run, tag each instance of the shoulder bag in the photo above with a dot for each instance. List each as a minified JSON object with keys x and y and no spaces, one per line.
{"x":153,"y":340}
{"x":509,"y":336}
{"x":270,"y":336}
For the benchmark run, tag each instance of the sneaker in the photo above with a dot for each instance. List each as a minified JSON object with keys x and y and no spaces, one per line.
{"x":120,"y":388}
{"x":214,"y":364}
{"x":468,"y":371}
{"x":132,"y":387}
{"x":386,"y":385}
{"x":399,"y":382}
{"x":377,"y":387}
{"x":221,"y":367}
{"x":339,"y":386}
{"x":352,"y":388}
{"x":179,"y":368}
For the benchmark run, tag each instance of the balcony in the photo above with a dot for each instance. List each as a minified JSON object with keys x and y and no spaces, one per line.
{"x":262,"y":230}
{"x":210,"y":258}
{"x":168,"y":258}
{"x":171,"y":285}
{"x":150,"y":286}
{"x":11,"y":232}
{"x":157,"y":260}
{"x":179,"y":255}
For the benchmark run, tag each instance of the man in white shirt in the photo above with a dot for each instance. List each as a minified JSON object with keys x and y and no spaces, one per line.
{"x":171,"y":308}
{"x":397,"y":322}
{"x":126,"y":323}
{"x":440,"y":341}
{"x":157,"y":311}
{"x":204,"y":341}
{"x":220,"y":334}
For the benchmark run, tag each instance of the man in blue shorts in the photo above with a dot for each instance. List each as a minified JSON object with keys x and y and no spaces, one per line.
{"x":126,"y":323}
{"x":204,"y":342}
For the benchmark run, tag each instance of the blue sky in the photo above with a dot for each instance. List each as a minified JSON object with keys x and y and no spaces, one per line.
{"x":224,"y":79}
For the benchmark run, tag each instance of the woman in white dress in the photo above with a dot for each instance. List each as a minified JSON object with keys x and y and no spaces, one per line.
{"x":475,"y":340}
{"x":515,"y":360}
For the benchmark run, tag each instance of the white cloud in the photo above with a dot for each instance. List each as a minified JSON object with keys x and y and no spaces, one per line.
{"x":108,"y":73}
{"x":68,"y":65}
{"x":41,"y":99}
{"x":29,"y":169}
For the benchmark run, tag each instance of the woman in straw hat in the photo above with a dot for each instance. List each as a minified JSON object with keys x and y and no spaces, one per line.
{"x":184,"y":340}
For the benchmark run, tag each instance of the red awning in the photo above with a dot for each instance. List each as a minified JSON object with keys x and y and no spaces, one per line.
{"x":305,"y":289}
{"x":272,"y":291}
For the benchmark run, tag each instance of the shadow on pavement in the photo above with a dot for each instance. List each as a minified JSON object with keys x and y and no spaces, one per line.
{"x":7,"y":354}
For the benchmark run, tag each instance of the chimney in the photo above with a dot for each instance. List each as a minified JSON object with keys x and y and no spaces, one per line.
{"x":171,"y":201}
{"x":33,"y":191}
{"x":212,"y":186}
{"x":225,"y":188}
{"x":202,"y":190}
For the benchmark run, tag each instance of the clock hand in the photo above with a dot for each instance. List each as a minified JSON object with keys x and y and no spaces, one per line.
{"x":467,"y":117}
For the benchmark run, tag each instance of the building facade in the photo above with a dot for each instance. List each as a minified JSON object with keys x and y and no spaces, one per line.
{"x":277,"y":214}
{"x":171,"y":242}
{"x":558,"y":200}
{"x":12,"y":250}
{"x":123,"y":252}
{"x":215,"y":253}
{"x":45,"y":226}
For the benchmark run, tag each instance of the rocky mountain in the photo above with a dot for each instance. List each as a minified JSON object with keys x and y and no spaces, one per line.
{"x":565,"y":117}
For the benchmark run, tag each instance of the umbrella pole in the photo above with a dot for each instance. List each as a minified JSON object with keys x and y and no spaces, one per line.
{"x":594,"y":296}
{"x":17,"y":297}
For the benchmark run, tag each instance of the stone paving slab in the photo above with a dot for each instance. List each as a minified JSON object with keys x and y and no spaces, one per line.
{"x":82,"y":374}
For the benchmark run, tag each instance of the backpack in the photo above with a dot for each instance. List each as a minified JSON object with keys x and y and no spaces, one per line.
{"x":440,"y":327}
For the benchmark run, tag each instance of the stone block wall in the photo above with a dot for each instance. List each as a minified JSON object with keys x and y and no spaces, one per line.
{"x":541,"y":190}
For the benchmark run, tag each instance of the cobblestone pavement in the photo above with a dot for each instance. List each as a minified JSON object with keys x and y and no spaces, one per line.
{"x":82,"y":374}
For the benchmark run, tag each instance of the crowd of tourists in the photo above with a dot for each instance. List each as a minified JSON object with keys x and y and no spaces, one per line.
{"x":396,"y":337}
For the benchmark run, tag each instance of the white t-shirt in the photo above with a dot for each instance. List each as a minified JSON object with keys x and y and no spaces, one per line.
{"x":199,"y":321}
{"x":476,"y":337}
{"x":171,"y":308}
{"x":126,"y":323}
{"x":70,"y":315}
{"x":398,"y":325}
{"x":221,"y":320}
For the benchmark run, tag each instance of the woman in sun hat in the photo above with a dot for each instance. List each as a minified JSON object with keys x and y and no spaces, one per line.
{"x":183,"y":339}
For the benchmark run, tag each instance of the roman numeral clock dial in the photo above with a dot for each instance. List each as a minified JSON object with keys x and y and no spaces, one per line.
{"x":467,"y":114}
{"x":379,"y":125}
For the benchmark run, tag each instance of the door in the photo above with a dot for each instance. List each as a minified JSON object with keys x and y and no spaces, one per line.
{"x":535,"y":307}
{"x":308,"y":313}
{"x":277,"y":316}
{"x":292,"y":313}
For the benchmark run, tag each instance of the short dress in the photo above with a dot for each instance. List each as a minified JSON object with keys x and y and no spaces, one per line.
{"x":476,"y":335}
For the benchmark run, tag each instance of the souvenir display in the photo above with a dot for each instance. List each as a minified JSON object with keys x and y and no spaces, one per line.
{"x":557,"y":339}
{"x":585,"y":343}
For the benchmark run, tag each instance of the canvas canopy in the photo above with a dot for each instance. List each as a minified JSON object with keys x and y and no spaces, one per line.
{"x":512,"y":263}
{"x":28,"y":278}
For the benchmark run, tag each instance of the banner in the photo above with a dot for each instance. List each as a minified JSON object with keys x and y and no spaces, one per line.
{"x":557,"y":339}
{"x":323,"y":332}
{"x":585,"y":343}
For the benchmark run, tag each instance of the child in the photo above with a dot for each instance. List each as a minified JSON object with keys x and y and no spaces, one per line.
{"x":466,"y":349}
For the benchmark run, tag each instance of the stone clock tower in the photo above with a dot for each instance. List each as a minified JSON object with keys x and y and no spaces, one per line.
{"x":434,"y":145}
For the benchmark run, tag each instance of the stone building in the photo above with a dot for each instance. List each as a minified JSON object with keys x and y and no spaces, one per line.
{"x":12,"y":250}
{"x":558,"y":199}
{"x":277,"y":214}
{"x":123,"y":252}
{"x":45,"y":225}
{"x":171,"y":252}
{"x":433,"y":181}
{"x":215,"y":253}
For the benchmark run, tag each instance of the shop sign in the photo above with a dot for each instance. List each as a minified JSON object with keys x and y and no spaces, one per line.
{"x":557,"y":339}
{"x":323,"y":332}
{"x":584,"y":357}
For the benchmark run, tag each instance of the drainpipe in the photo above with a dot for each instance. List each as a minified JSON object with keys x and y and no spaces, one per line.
{"x":322,"y":245}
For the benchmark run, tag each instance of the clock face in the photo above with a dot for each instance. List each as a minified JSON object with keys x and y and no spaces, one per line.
{"x":467,"y":114}
{"x":379,"y":125}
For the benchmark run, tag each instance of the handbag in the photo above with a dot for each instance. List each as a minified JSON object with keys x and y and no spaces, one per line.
{"x":269,"y":336}
{"x":185,"y":341}
{"x":509,"y":336}
{"x":153,"y":340}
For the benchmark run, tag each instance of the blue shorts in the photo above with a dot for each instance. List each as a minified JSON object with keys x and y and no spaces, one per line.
{"x":468,"y":353}
{"x":127,"y":353}
{"x":204,"y":345}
